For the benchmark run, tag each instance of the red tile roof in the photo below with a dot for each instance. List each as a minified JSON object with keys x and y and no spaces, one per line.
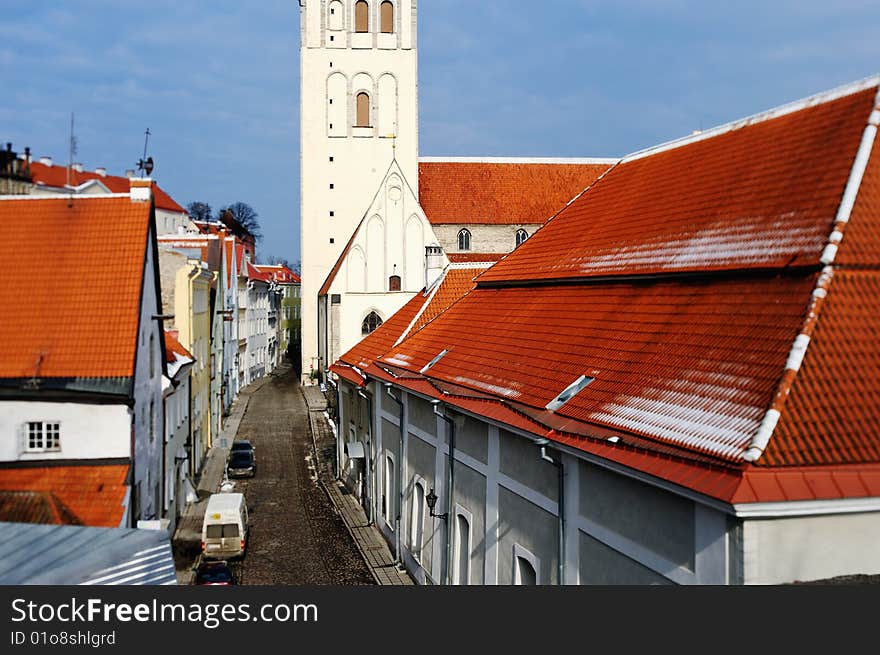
{"x":34,"y":507}
{"x":254,"y":273}
{"x":457,"y":281}
{"x":474,"y":257}
{"x":93,"y":493}
{"x":492,"y":193}
{"x":679,"y":283}
{"x":174,"y":350}
{"x":686,"y":362}
{"x":84,"y":321}
{"x":762,"y":196}
{"x":279,"y":273}
{"x":56,"y":177}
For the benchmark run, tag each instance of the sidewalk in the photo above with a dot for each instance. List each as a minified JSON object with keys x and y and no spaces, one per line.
{"x":187,"y":539}
{"x":367,"y":538}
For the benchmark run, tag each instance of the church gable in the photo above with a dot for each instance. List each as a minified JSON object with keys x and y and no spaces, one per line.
{"x":386,"y":254}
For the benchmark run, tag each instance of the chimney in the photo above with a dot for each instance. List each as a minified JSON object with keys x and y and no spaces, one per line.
{"x":141,"y":189}
{"x":129,"y":173}
{"x":433,"y":264}
{"x":46,"y":161}
{"x":77,"y":167}
{"x":101,"y":171}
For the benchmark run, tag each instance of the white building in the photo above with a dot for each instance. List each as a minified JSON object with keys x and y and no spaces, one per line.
{"x":176,"y":393}
{"x":83,"y":356}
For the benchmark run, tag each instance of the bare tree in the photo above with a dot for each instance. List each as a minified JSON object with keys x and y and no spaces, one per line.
{"x":246,"y":216}
{"x":200,"y":211}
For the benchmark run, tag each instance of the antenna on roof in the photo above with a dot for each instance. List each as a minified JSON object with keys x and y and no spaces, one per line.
{"x":72,"y":149}
{"x":146,"y":163}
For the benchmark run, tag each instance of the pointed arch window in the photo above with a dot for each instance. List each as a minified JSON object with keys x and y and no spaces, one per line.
{"x":361,"y":16}
{"x":363,"y":109}
{"x":386,"y":14}
{"x":464,"y":240}
{"x":521,"y":236}
{"x":371,"y":322}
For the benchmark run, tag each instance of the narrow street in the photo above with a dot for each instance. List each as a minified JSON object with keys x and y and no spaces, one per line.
{"x":296,"y":537}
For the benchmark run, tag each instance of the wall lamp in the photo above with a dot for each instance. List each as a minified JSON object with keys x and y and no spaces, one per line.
{"x":431,"y":499}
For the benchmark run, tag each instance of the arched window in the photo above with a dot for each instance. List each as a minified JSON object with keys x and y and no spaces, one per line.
{"x":386,"y":12}
{"x":363,"y":110}
{"x":461,"y":565}
{"x":371,"y":322}
{"x":417,"y":520}
{"x":394,"y":283}
{"x":361,"y":16}
{"x":335,"y":20}
{"x":464,"y":240}
{"x":525,"y":567}
{"x":521,"y":236}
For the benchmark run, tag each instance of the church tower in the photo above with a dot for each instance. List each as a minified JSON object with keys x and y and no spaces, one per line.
{"x":358,"y":112}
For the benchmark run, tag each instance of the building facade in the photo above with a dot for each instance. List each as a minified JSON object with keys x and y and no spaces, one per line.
{"x":359,"y":112}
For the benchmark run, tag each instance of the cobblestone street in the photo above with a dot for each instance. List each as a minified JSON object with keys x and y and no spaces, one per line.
{"x":297,"y":538}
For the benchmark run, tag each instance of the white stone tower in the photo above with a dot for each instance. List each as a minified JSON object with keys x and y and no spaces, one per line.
{"x":358,"y":111}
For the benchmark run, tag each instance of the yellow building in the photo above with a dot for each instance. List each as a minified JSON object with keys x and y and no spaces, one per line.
{"x":186,"y":292}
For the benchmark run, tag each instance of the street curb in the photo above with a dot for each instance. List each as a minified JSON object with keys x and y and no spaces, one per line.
{"x":333,"y":500}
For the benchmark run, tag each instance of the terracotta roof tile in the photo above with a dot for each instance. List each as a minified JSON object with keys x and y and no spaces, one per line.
{"x":474,"y":257}
{"x":174,"y":350}
{"x":34,"y":507}
{"x":489,"y":193}
{"x":56,"y":177}
{"x":93,"y":493}
{"x":82,"y":323}
{"x":833,"y":413}
{"x":761,"y":196}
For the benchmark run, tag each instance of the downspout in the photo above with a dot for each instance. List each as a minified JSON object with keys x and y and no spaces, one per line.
{"x":560,"y":475}
{"x":450,"y":488}
{"x":368,"y":459}
{"x":397,"y":558}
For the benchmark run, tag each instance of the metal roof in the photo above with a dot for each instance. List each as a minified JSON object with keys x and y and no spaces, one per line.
{"x":75,"y":555}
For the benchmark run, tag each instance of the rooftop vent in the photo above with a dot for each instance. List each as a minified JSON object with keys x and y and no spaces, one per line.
{"x":569,"y":392}
{"x":46,"y":161}
{"x":77,"y":167}
{"x":101,"y":171}
{"x":434,"y":361}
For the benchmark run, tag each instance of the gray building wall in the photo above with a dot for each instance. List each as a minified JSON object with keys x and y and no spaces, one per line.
{"x":484,"y":238}
{"x":521,"y":522}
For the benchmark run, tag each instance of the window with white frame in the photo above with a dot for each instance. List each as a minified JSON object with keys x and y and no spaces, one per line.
{"x":388,"y":491}
{"x":42,"y":437}
{"x":461,"y":564}
{"x":417,"y":519}
{"x":526,"y":567}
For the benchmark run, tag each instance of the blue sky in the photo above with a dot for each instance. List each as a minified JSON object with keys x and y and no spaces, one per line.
{"x":217,"y":82}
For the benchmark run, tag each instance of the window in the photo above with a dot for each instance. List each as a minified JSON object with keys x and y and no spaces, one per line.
{"x":464,"y":240}
{"x":386,"y":11}
{"x":152,"y":420}
{"x":417,"y":520}
{"x":371,"y":322}
{"x":361,"y":16}
{"x":461,"y":571}
{"x":363,"y":110}
{"x":525,"y":567}
{"x":152,"y":356}
{"x":521,"y":236}
{"x":42,"y":437}
{"x":388,"y":491}
{"x":394,"y":283}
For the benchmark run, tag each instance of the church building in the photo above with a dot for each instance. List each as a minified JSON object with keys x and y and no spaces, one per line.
{"x":380,"y":224}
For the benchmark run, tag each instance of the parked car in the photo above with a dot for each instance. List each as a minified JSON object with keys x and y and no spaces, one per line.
{"x":241,"y":464}
{"x":242,"y":445}
{"x":214,"y":573}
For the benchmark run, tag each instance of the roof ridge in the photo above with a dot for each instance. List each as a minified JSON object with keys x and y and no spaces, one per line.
{"x":520,"y":160}
{"x":769,"y":114}
{"x":67,"y":196}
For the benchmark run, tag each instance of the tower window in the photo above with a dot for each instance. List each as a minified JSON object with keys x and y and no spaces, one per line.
{"x":363,"y":110}
{"x":386,"y":12}
{"x":521,"y":236}
{"x":464,"y":240}
{"x":361,"y":16}
{"x":371,"y":322}
{"x":394,"y":283}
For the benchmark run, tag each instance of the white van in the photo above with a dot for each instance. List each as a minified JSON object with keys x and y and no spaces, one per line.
{"x":225,"y":527}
